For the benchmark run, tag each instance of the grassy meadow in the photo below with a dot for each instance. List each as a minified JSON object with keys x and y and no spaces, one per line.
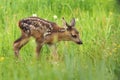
{"x":98,"y":22}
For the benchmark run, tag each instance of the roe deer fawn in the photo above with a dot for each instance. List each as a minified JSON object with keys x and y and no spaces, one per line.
{"x":45,"y":32}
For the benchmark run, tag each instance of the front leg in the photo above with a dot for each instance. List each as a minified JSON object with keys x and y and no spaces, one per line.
{"x":38,"y":47}
{"x":53,"y":50}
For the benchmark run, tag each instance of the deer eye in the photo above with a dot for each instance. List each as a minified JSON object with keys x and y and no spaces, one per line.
{"x":74,"y":36}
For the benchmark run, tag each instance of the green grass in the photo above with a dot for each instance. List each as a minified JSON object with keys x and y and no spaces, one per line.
{"x":97,"y":59}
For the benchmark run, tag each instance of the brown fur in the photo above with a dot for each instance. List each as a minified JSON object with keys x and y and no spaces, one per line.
{"x":45,"y":32}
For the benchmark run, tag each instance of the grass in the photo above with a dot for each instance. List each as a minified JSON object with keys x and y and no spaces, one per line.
{"x":97,"y":59}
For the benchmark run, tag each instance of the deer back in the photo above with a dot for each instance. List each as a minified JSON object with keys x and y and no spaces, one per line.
{"x":35,"y":26}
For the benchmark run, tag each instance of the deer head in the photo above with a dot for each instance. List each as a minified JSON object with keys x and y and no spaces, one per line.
{"x":71,"y":31}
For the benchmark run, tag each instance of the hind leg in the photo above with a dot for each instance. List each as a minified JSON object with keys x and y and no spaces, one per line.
{"x":19,"y":43}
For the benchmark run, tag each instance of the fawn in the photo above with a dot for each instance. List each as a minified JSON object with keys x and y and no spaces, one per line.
{"x":45,"y":32}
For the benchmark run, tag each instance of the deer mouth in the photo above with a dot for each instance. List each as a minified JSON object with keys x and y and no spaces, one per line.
{"x":80,"y":42}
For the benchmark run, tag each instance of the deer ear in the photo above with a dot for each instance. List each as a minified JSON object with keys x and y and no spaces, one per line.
{"x":65,"y":24}
{"x":73,"y":22}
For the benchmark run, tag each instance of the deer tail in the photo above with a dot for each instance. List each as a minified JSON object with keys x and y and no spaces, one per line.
{"x":24,"y":26}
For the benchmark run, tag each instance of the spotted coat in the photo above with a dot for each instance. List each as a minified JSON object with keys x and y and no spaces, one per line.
{"x":33,"y":24}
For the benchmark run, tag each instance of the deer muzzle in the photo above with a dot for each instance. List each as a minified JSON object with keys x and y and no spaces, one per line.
{"x":79,"y":42}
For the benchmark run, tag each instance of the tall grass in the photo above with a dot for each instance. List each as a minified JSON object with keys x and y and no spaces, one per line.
{"x":97,"y":59}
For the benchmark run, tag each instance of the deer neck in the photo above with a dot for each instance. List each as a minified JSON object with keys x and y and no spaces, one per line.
{"x":63,"y":36}
{"x":58,"y":35}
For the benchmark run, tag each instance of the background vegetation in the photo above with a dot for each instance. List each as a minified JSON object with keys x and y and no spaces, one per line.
{"x":98,"y":22}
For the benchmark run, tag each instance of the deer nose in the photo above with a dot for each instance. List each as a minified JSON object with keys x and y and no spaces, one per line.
{"x":80,"y":42}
